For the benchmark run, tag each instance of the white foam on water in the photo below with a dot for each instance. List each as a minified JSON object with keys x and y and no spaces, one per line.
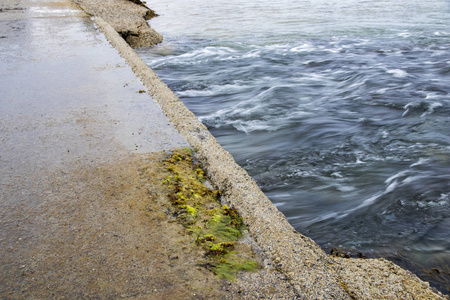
{"x":321,"y":187}
{"x":404,"y":34}
{"x":407,"y":108}
{"x":327,"y":216}
{"x":359,"y":161}
{"x":206,"y":54}
{"x":255,"y":53}
{"x":214,"y":90}
{"x":398,"y":73}
{"x":441,"y":33}
{"x":432,"y":96}
{"x":421,"y":161}
{"x":345,"y":188}
{"x":357,"y":84}
{"x":334,"y":50}
{"x":303,"y":48}
{"x":391,"y":187}
{"x":315,"y":76}
{"x":365,"y":203}
{"x":431,"y":108}
{"x":444,"y":197}
{"x":443,"y":200}
{"x":337,"y":174}
{"x":382,"y":91}
{"x":302,"y":173}
{"x":399,"y":174}
{"x":251,"y":126}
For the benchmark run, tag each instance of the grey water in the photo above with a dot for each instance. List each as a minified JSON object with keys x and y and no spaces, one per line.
{"x":340,"y":110}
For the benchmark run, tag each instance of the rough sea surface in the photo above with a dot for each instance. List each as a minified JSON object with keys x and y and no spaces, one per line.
{"x":340,"y":110}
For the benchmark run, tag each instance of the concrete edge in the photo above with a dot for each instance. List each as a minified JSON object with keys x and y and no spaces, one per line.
{"x":314,"y":274}
{"x":127,"y":17}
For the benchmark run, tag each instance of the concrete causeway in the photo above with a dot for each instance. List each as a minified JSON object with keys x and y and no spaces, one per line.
{"x":68,"y":102}
{"x":80,"y":114}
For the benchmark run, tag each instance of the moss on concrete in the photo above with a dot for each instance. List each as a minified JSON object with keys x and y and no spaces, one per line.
{"x":214,"y":227}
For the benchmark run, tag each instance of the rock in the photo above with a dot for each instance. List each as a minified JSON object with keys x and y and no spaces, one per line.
{"x":127,"y":18}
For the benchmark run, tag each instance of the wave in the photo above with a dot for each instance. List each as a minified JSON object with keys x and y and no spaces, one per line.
{"x":423,"y":108}
{"x":214,"y":90}
{"x":270,"y":110}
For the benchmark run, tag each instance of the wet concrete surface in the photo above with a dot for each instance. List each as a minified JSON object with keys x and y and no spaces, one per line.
{"x":75,"y":123}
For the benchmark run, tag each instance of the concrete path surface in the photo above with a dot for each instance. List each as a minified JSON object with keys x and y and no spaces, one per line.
{"x":74,"y":119}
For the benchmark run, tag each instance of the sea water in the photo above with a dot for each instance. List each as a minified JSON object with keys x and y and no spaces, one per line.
{"x":340,"y":110}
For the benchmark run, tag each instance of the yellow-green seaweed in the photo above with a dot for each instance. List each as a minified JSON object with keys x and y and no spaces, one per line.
{"x":215,"y":227}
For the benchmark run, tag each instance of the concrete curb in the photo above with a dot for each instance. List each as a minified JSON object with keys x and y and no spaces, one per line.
{"x":314,"y":274}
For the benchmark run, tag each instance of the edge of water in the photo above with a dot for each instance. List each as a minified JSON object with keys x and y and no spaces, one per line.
{"x":313,"y":273}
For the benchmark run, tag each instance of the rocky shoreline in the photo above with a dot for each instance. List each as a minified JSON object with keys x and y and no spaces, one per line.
{"x":310,"y":272}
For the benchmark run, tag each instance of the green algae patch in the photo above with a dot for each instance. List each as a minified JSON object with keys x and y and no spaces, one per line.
{"x":232,"y":262}
{"x":214,"y":227}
